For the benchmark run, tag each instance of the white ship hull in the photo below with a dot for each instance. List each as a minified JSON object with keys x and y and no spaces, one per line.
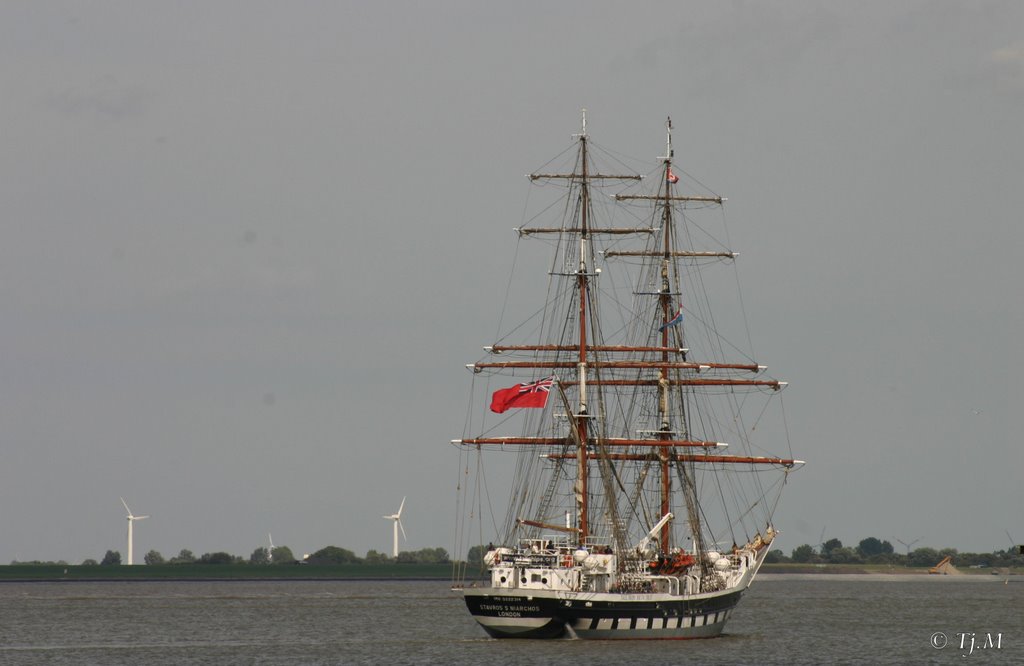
{"x":529,"y":600}
{"x":556,"y":614}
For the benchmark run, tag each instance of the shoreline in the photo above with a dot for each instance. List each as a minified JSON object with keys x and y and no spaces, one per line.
{"x":899,"y":576}
{"x":881,"y":570}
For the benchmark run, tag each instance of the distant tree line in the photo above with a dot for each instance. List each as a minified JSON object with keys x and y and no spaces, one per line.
{"x":869,"y":551}
{"x":279,"y":555}
{"x":876,"y":551}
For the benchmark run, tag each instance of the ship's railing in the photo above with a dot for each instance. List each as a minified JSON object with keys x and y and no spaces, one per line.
{"x":548,"y":551}
{"x":672,"y":581}
{"x":630,"y":583}
{"x":597,"y":544}
{"x":547,"y":542}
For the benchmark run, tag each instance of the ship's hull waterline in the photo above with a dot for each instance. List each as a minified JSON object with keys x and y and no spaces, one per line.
{"x":558,"y":614}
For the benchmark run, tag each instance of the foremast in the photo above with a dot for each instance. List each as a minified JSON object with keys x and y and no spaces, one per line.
{"x":582,"y":433}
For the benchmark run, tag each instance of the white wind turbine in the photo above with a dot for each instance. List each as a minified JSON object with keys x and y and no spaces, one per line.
{"x":270,"y":551}
{"x":397,"y":517}
{"x":131,"y":521}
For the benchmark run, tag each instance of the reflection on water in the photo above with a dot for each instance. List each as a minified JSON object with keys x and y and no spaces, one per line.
{"x":782,"y":620}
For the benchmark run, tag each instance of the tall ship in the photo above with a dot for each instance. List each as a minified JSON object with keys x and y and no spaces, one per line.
{"x":638,"y":445}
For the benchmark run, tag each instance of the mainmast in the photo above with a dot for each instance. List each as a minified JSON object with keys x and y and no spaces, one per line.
{"x":582,"y":472}
{"x":665,"y":297}
{"x":671,"y":317}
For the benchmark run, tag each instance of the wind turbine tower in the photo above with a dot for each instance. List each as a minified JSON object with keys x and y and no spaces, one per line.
{"x":131,"y":521}
{"x":397,"y":518}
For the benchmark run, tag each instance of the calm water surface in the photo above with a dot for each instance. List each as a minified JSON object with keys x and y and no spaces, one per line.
{"x":782,"y":620}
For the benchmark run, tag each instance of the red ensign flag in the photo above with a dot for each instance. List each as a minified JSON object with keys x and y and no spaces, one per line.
{"x":531,"y":394}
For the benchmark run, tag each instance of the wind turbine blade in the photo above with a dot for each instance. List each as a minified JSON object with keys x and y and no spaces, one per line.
{"x":400,"y":507}
{"x":139,"y":517}
{"x":403,"y":530}
{"x":126,"y":506}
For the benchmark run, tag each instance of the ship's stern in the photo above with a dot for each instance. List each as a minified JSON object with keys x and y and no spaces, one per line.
{"x":505,"y":615}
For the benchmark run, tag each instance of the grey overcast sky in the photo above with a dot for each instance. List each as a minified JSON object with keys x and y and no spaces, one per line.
{"x":249,"y":246}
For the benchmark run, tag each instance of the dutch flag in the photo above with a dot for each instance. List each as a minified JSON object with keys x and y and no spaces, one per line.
{"x":678,"y":319}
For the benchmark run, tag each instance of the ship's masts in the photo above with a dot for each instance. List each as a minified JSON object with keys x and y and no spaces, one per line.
{"x":686,"y":382}
{"x":575,"y":176}
{"x":666,"y":308}
{"x":688,"y":457}
{"x":651,"y":197}
{"x":629,"y":365}
{"x":611,"y":441}
{"x":498,"y":349}
{"x":583,"y":468}
{"x":610,"y":231}
{"x":672,"y":253}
